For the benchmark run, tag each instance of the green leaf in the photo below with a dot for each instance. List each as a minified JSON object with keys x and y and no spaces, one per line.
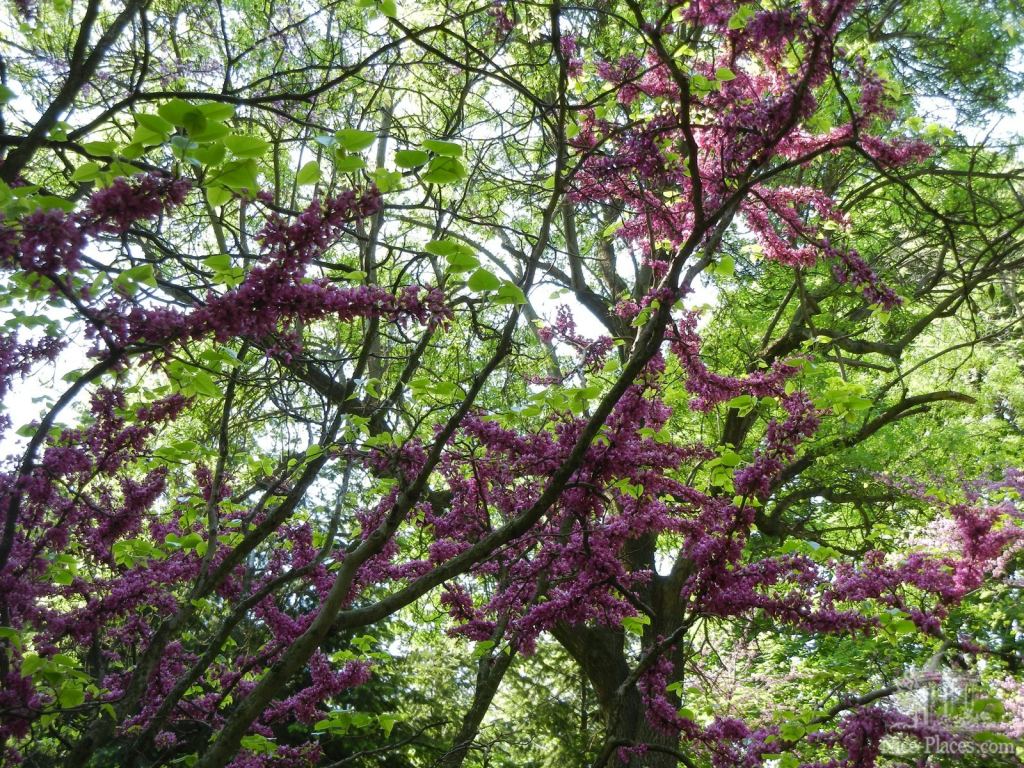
{"x":742,"y":17}
{"x":182,"y":146}
{"x":635,"y":624}
{"x":725,"y":267}
{"x":196,"y":123}
{"x":389,"y":8}
{"x":61,"y":575}
{"x":6,"y":94}
{"x":509,"y":293}
{"x":349,"y":163}
{"x":354,"y":276}
{"x":71,"y":695}
{"x":204,"y":385}
{"x":31,"y":663}
{"x":443,"y":148}
{"x":701,"y":84}
{"x":410,"y":158}
{"x":244,"y":146}
{"x":724,"y":74}
{"x":12,"y":636}
{"x":354,"y":140}
{"x":482,"y":280}
{"x":444,"y":170}
{"x":143,"y":273}
{"x":461,"y":258}
{"x":147,"y":138}
{"x":683,"y":52}
{"x":132,"y":151}
{"x":743,"y":403}
{"x":308,"y":174}
{"x":903,"y":627}
{"x":46,"y":202}
{"x":153,"y":122}
{"x":238,"y":175}
{"x":105,"y":148}
{"x":386,"y":180}
{"x":210,"y":132}
{"x":218,"y":196}
{"x":361,"y":719}
{"x":387,"y":724}
{"x":442,"y":247}
{"x":119,"y":168}
{"x":218,"y":262}
{"x":217,"y":111}
{"x":611,"y":229}
{"x":176,"y":111}
{"x":792,"y":731}
{"x":210,"y":154}
{"x":460,"y":261}
{"x":86,"y":172}
{"x":482,"y":648}
{"x":258,"y":744}
{"x":729,"y":458}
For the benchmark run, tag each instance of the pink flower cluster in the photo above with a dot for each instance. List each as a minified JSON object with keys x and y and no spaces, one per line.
{"x":710,"y":388}
{"x":780,"y":443}
{"x":126,"y":202}
{"x":739,"y":125}
{"x":569,"y":48}
{"x":504,"y":19}
{"x":50,"y":241}
{"x":17,"y":358}
{"x":592,"y":352}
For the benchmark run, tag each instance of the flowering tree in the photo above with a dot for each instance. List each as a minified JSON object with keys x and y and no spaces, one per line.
{"x":293,"y":272}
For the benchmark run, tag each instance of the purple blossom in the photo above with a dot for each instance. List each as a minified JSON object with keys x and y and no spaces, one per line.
{"x":126,"y":202}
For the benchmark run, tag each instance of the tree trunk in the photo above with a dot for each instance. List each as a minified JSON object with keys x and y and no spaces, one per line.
{"x":490,"y":671}
{"x":601,"y":654}
{"x":632,"y":727}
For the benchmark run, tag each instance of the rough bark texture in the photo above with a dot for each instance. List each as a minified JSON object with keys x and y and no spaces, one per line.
{"x":600,"y":654}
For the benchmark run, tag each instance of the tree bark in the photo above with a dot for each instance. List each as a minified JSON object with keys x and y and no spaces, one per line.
{"x":600,"y":652}
{"x":490,"y":671}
